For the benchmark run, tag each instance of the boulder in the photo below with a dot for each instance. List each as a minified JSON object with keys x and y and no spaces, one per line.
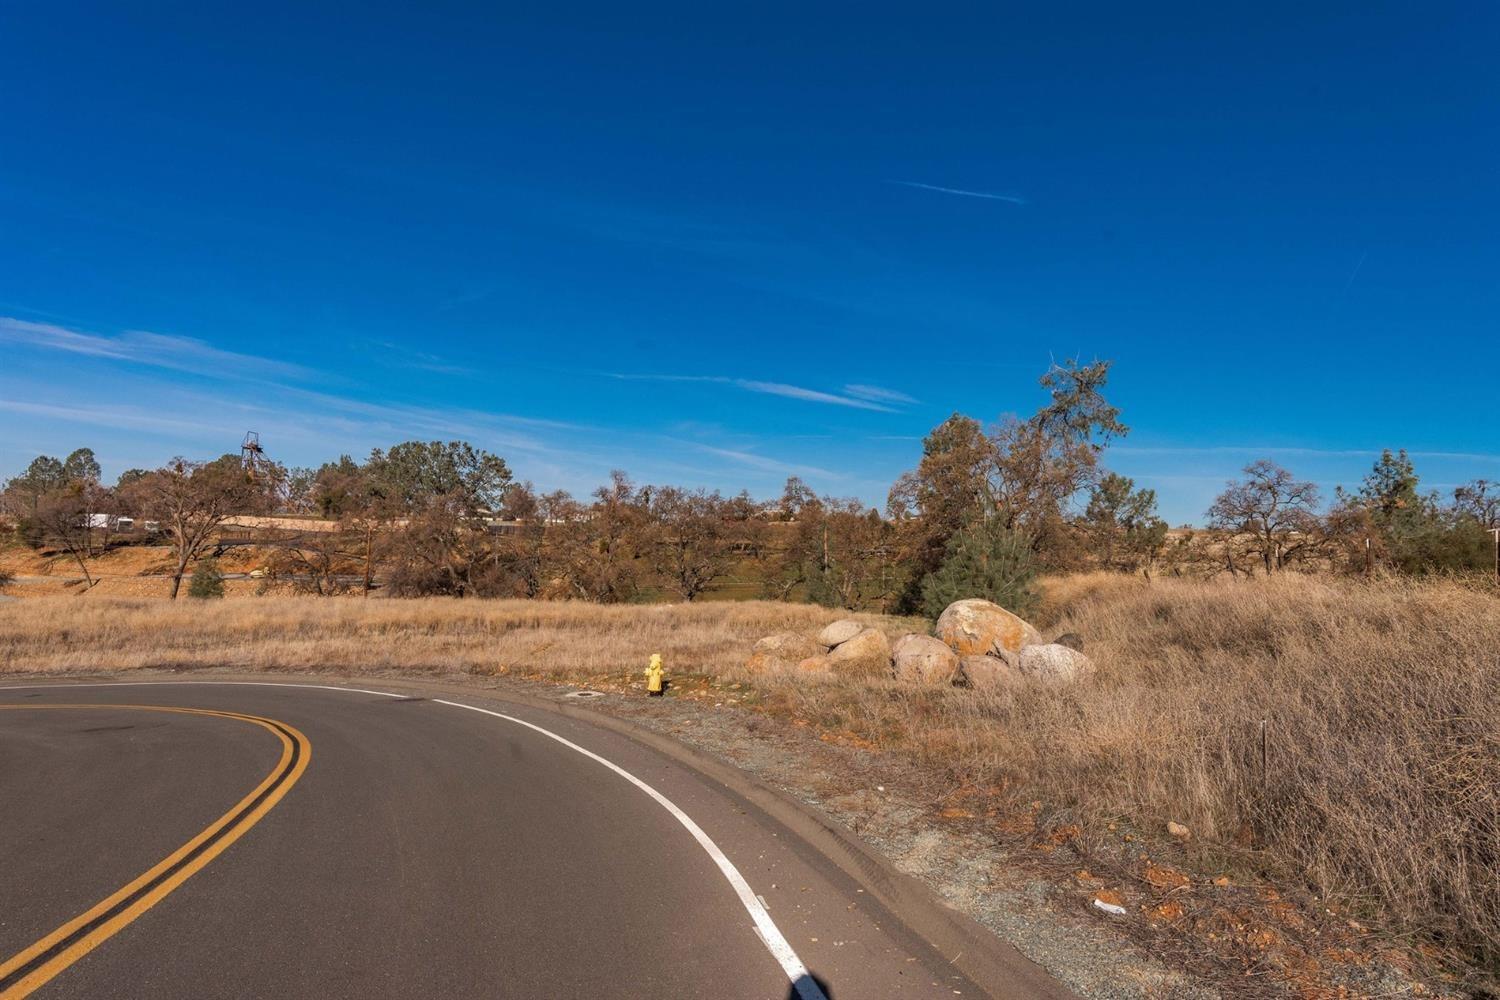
{"x":840,"y":632}
{"x":868,"y":654}
{"x":981,"y":672}
{"x":925,"y":659}
{"x":1054,"y":663}
{"x":787,"y":646}
{"x":975,"y":628}
{"x":781,"y":652}
{"x":819,"y":664}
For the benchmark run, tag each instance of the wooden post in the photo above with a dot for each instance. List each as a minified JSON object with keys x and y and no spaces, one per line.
{"x":1265,"y":755}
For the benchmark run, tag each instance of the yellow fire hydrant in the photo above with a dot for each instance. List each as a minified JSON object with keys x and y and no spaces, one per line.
{"x":654,"y":673}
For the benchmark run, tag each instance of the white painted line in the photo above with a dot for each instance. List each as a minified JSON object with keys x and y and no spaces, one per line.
{"x":765,"y":928}
{"x":796,"y":972}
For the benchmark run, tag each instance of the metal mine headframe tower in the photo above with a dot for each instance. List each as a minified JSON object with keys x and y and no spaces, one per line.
{"x":251,"y":453}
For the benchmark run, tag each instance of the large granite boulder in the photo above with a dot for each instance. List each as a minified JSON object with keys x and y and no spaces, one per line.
{"x":924,"y":659}
{"x":839,"y":633}
{"x":868,"y":654}
{"x":820,"y":665}
{"x":984,"y":672}
{"x":975,"y":628}
{"x":781,"y":652}
{"x":1054,"y":663}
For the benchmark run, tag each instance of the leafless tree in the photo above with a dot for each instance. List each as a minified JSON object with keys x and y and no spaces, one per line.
{"x":1480,"y":500}
{"x":64,"y":518}
{"x":842,"y":554}
{"x":1274,"y":511}
{"x":192,"y":499}
{"x":690,"y":540}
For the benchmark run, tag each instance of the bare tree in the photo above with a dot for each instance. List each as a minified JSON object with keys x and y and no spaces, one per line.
{"x":64,"y":517}
{"x":317,"y":564}
{"x":1273,"y":510}
{"x":599,"y":546}
{"x":843,"y":554}
{"x":192,"y":499}
{"x":690,"y":539}
{"x":1480,"y":500}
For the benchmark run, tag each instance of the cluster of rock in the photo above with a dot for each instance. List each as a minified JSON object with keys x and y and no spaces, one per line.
{"x":977,"y":643}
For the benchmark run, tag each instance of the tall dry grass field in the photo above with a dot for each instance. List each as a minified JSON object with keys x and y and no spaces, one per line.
{"x":1349,"y":731}
{"x":439,"y":635}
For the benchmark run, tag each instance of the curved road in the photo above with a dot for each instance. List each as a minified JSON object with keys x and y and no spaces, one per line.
{"x":292,"y":841}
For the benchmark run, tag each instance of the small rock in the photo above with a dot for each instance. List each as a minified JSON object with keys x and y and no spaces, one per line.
{"x":868,"y":654}
{"x":1179,"y":831}
{"x":976,"y":627}
{"x":1070,"y":639}
{"x":925,"y":659}
{"x":839,"y":633}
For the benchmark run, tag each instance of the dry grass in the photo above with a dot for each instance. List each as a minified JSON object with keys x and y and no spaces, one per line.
{"x":1377,"y":783}
{"x":558,"y":639}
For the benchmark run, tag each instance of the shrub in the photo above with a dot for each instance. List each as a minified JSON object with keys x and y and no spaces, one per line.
{"x":207,"y":581}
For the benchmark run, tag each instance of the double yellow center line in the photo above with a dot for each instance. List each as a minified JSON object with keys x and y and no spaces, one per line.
{"x":28,"y":970}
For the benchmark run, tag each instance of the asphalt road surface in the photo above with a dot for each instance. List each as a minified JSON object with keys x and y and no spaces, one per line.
{"x":289,"y":841}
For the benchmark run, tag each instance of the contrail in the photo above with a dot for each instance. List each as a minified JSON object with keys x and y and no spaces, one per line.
{"x":1013,"y":199}
{"x":1355,"y":273}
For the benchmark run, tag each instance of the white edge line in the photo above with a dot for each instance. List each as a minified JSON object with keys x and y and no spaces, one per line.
{"x":765,"y":928}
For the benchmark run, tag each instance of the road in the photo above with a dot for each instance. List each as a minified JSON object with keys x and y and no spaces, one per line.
{"x":297,"y":842}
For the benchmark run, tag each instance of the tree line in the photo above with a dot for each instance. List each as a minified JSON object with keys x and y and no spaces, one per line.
{"x":983,"y":512}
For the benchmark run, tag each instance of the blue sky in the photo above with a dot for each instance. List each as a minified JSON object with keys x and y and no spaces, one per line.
{"x":718,"y":246}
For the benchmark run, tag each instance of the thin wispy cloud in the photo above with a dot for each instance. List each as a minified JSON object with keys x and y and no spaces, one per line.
{"x":877,"y":394}
{"x":986,"y":195}
{"x":766,"y":464}
{"x":782,"y":389}
{"x":1235,"y":449}
{"x":810,"y":395}
{"x":396,"y":356}
{"x":129,"y":417}
{"x":142,"y":347}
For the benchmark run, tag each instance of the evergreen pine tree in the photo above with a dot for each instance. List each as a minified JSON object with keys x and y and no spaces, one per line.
{"x":986,"y":560}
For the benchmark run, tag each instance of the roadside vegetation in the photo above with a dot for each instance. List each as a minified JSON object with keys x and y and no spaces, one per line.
{"x":1305,"y":684}
{"x":984,"y":511}
{"x":1339,"y":735}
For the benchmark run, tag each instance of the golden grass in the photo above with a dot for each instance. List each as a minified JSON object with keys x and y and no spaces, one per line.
{"x":562,"y":639}
{"x":1377,"y":781}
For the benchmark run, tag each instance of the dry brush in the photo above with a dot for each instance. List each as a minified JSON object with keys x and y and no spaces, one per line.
{"x":1347,"y":732}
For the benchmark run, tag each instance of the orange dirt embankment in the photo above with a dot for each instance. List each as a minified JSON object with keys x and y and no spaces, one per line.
{"x":123,"y":571}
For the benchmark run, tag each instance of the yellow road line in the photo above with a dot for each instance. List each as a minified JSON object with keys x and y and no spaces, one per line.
{"x":26,"y":971}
